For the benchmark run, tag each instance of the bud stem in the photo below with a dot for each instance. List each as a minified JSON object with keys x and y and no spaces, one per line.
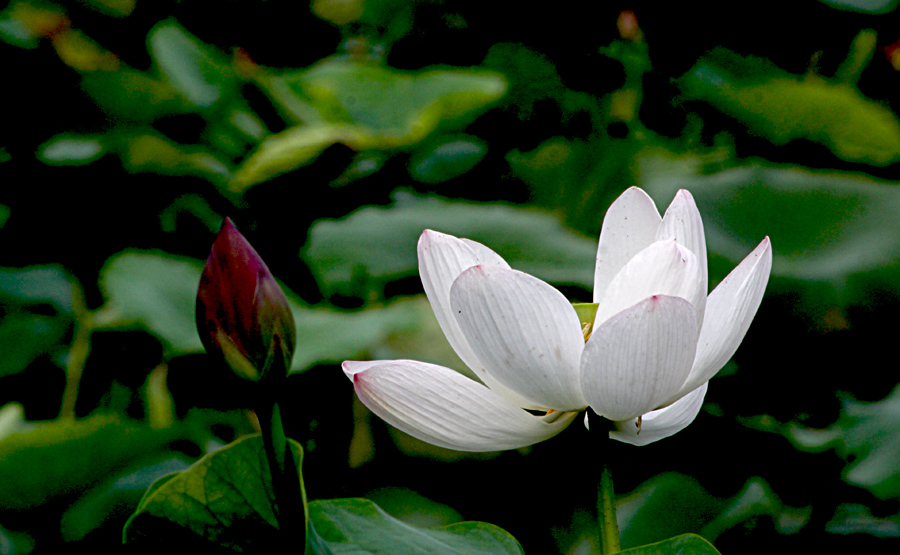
{"x":606,"y":499}
{"x":81,"y":348}
{"x":290,"y":497}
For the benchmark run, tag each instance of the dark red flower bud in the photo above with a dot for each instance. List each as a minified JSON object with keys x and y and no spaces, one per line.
{"x":627,"y":24}
{"x":242,"y":313}
{"x":892,"y":52}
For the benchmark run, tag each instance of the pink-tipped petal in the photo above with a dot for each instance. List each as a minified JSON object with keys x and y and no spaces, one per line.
{"x":729,"y":311}
{"x":663,"y":268}
{"x":442,"y":258}
{"x":638,"y":358}
{"x":682,"y":222}
{"x":524,"y":331}
{"x":630,"y":225}
{"x":444,"y":408}
{"x":658,"y":424}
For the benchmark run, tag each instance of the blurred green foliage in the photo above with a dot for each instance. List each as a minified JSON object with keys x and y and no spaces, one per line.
{"x":333,"y":133}
{"x":223,"y":501}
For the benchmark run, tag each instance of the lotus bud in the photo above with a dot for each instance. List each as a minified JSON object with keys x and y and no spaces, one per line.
{"x":627,"y":25}
{"x":243,"y":316}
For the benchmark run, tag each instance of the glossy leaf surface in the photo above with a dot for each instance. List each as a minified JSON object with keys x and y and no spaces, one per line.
{"x":365,"y":107}
{"x":359,"y":526}
{"x":57,"y":460}
{"x":867,"y":435}
{"x":688,"y":544}
{"x":225,"y":498}
{"x":782,"y":107}
{"x":340,"y":249}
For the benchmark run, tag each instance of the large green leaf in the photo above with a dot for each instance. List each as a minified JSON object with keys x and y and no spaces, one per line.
{"x":379,"y":244}
{"x":864,"y":6}
{"x":35,"y":285}
{"x":756,"y":499}
{"x":579,"y":178}
{"x":117,"y":497}
{"x":194,"y":69}
{"x":57,"y":460}
{"x":225,"y":498}
{"x":25,"y":333}
{"x":113,"y":8}
{"x":25,"y":336}
{"x":412,"y":508}
{"x":672,"y":503}
{"x":158,"y":292}
{"x":327,"y":335}
{"x":360,"y":527}
{"x":398,"y":105}
{"x":68,"y":149}
{"x":145,"y":150}
{"x":687,"y":544}
{"x":783,"y":107}
{"x":24,"y":23}
{"x":648,"y":514}
{"x":853,"y":518}
{"x":447,"y":159}
{"x":131,"y":95}
{"x":293,"y":148}
{"x":867,"y":435}
{"x":824,"y":226}
{"x":365,"y":106}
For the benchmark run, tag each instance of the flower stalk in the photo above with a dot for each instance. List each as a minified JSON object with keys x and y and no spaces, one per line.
{"x":81,"y":348}
{"x":606,"y":498}
{"x":290,"y":498}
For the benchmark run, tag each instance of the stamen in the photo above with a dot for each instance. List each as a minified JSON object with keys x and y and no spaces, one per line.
{"x":552,"y":415}
{"x":586,"y":330}
{"x":637,"y":424}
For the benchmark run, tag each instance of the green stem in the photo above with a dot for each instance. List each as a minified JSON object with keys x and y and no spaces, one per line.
{"x":861,"y":50}
{"x":78,"y":354}
{"x":290,"y":502}
{"x":606,"y":498}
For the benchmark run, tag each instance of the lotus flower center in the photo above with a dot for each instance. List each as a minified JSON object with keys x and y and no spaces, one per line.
{"x":586,"y":313}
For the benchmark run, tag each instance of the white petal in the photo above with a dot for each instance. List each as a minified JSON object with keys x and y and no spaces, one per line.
{"x":729,"y":311}
{"x":485,"y":255}
{"x":638,"y":358}
{"x":524,"y":331}
{"x":441,"y":259}
{"x":629,"y":226}
{"x":682,"y":222}
{"x":662,"y":423}
{"x":663,"y":268}
{"x":443,"y":407}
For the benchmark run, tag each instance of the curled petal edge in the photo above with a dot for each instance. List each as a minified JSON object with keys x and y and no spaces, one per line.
{"x":661,"y":423}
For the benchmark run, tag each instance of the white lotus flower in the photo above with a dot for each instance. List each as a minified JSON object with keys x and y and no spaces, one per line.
{"x":655,"y":341}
